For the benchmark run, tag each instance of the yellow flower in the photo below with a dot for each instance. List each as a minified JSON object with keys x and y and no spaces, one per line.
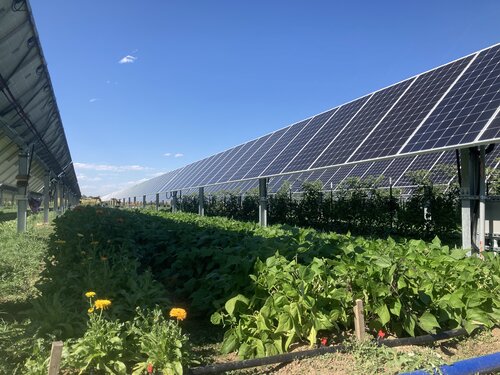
{"x":178,"y":313}
{"x":90,"y":310}
{"x":90,"y":294}
{"x":102,"y":304}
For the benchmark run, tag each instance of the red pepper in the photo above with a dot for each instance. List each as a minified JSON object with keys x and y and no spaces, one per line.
{"x":324,"y":341}
{"x":150,"y":368}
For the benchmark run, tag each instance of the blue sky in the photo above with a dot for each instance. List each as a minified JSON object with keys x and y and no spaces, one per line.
{"x":145,"y":87}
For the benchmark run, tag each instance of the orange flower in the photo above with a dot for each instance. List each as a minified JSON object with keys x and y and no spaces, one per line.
{"x":178,"y":313}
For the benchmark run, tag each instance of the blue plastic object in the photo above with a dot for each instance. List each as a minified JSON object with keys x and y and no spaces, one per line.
{"x":479,"y":365}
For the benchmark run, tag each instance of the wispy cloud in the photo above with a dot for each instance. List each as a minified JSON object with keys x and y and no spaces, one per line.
{"x":83,"y":177}
{"x":167,"y":154}
{"x":92,"y":100}
{"x":129,"y":59}
{"x":178,"y":155}
{"x":108,"y":167}
{"x":157,"y":174}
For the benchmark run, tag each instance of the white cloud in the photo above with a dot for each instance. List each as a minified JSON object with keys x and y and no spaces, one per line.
{"x":167,"y":154}
{"x":129,"y":59}
{"x":178,"y":155}
{"x":94,"y":100}
{"x":156,"y":174}
{"x":107,"y":167}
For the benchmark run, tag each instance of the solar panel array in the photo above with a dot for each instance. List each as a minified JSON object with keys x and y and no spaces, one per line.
{"x":453,"y":106}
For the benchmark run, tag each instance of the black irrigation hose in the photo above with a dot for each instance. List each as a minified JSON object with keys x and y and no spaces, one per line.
{"x":425,"y":339}
{"x":289,"y":357}
{"x":280,"y":358}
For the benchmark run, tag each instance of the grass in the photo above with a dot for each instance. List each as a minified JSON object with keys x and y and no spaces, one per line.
{"x":20,"y":266}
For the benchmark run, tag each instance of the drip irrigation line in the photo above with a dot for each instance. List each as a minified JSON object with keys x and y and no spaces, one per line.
{"x":289,"y":357}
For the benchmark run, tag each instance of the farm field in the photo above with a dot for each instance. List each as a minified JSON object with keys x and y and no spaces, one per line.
{"x":248,"y":292}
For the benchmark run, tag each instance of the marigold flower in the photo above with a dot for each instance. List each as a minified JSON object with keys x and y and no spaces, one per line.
{"x":178,"y":313}
{"x":90,"y":310}
{"x":90,"y":294}
{"x":102,"y":304}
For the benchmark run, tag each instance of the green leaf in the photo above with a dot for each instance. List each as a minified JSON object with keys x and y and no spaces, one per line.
{"x":409,"y":324}
{"x":383,"y":312}
{"x":236,"y":303}
{"x":396,"y":308}
{"x":285,"y":323}
{"x":383,"y":262}
{"x":458,"y":254}
{"x":230,"y":342}
{"x":428,"y":322}
{"x":216,"y":318}
{"x":312,"y":336}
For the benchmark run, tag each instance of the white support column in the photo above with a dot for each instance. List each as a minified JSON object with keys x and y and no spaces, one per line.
{"x":482,"y":198}
{"x":46,"y":197}
{"x":263,"y":202}
{"x":21,"y":198}
{"x":465,"y":193}
{"x":143,"y":201}
{"x":201,"y":201}
{"x":157,"y":201}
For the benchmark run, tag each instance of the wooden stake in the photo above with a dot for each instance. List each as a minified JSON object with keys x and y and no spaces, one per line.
{"x":359,"y":320}
{"x":55,"y":357}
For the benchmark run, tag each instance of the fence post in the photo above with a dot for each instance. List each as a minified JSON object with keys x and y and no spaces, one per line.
{"x":55,"y":357}
{"x":359,"y":320}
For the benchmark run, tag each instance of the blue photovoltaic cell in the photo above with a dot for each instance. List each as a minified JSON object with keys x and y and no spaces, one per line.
{"x":337,"y":179}
{"x":294,"y":146}
{"x":395,"y":170}
{"x":196,"y":172}
{"x":252,"y":159}
{"x":235,"y":153}
{"x":186,"y":174}
{"x":204,"y":172}
{"x":444,"y":169}
{"x":168,"y":181}
{"x":466,"y":109}
{"x":327,"y":176}
{"x":420,"y":163}
{"x":409,"y":112}
{"x":351,"y":137}
{"x":376,"y":171}
{"x":214,"y":167}
{"x":276,"y":149}
{"x":314,"y":146}
{"x":245,"y":152}
{"x":297,"y":182}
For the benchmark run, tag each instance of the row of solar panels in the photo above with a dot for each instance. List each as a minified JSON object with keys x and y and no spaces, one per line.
{"x":455,"y":105}
{"x":441,"y":169}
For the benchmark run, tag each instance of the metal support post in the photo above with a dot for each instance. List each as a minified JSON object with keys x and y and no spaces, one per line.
{"x":135,"y":201}
{"x":22,"y":186}
{"x":465,"y":192}
{"x":56,"y":198}
{"x":263,"y":202}
{"x":129,"y":203}
{"x":174,"y":201}
{"x":46,"y":197}
{"x":482,"y":198}
{"x":143,"y":201}
{"x":201,"y":201}
{"x":157,"y":201}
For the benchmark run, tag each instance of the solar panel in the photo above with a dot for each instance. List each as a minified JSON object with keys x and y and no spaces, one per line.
{"x":250,"y":162}
{"x":455,"y":105}
{"x":273,"y":152}
{"x":312,"y":126}
{"x":409,"y":112}
{"x":420,"y":163}
{"x":315,"y":145}
{"x":465,"y":110}
{"x":345,"y":142}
